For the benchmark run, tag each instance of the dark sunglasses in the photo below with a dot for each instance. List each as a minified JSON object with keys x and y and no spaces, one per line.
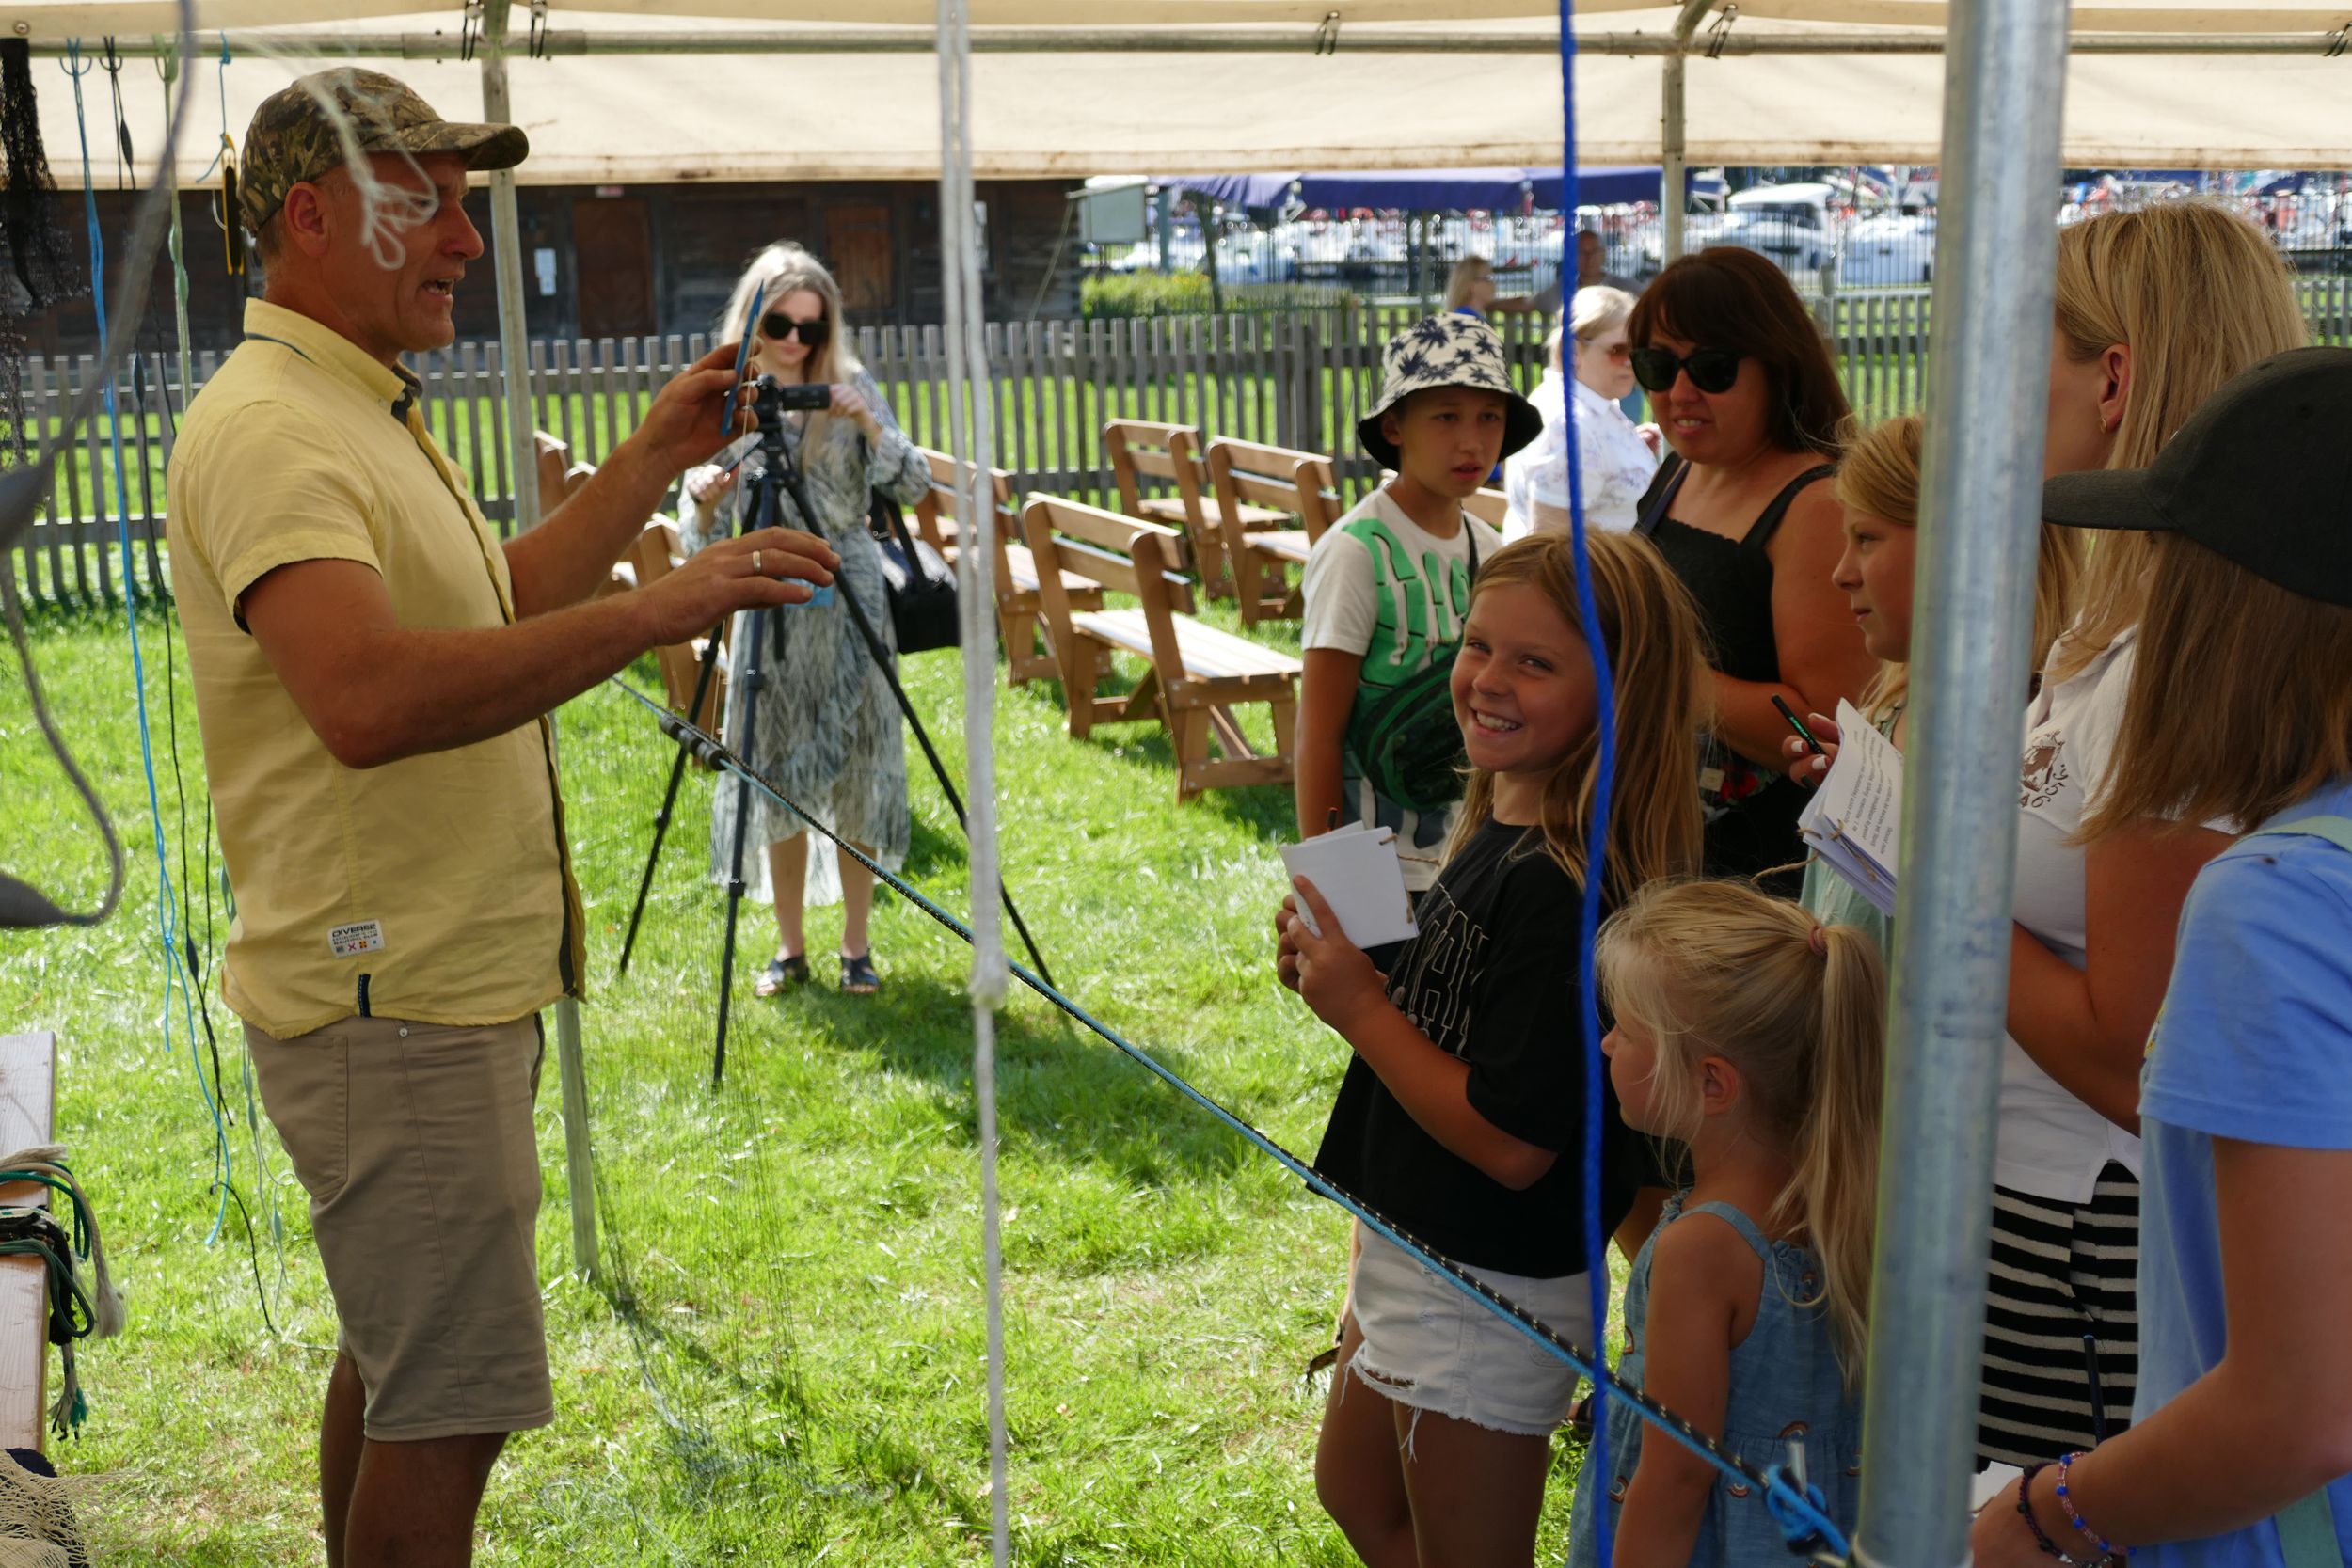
{"x":776,"y":327}
{"x":1712,"y":369}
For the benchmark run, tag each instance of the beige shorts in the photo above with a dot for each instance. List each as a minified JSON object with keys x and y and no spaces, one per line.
{"x":415,"y":1142}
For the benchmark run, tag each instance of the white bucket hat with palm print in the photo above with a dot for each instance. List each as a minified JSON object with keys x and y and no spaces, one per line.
{"x":1447,"y":351}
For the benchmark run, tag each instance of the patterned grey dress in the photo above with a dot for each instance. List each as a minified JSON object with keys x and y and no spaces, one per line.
{"x":828,"y":731}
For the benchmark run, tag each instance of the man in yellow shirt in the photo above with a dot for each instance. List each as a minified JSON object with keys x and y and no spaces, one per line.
{"x":372,"y":668}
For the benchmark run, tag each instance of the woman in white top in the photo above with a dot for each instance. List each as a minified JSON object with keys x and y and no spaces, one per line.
{"x":2156,"y":308}
{"x":1618,"y":457}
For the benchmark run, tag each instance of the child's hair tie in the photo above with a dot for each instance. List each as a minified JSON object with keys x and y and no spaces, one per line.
{"x":1818,"y":939}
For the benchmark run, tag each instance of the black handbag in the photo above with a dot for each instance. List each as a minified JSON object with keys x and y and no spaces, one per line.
{"x":921,"y":585}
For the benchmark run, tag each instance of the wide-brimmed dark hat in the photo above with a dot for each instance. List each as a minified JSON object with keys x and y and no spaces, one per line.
{"x":293,"y":136}
{"x":2261,"y":475}
{"x":1447,"y":351}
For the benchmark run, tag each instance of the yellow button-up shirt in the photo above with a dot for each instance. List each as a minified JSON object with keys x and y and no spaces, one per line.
{"x":438,"y":887}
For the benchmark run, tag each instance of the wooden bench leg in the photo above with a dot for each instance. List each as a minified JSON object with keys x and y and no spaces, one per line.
{"x":1189,"y":729}
{"x":1022,"y":661}
{"x":1285,"y":714}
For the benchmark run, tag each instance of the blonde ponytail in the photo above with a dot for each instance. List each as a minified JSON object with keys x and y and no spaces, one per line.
{"x":1835,"y":1191}
{"x":1715,"y":968}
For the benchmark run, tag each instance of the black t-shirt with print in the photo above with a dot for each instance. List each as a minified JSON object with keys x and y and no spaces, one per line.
{"x":1492,"y":980}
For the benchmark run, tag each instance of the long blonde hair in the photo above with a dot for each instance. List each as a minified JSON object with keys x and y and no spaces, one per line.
{"x":1664,"y":696}
{"x":1466,"y":272}
{"x":2273,"y":706}
{"x":785,"y":268}
{"x":1722,"y":969}
{"x":1880,"y":475}
{"x":2198,"y":294}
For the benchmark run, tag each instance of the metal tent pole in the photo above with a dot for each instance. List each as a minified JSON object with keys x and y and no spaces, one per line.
{"x":506,"y":245}
{"x":1673,"y":132}
{"x":1996,"y":257}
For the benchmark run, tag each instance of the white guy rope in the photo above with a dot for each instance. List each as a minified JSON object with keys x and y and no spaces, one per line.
{"x":971,"y":403}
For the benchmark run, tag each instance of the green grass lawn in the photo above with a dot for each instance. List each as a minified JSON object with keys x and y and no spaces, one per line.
{"x":782,"y":1357}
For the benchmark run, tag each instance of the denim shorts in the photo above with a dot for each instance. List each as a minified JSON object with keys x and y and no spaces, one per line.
{"x":1427,"y":1344}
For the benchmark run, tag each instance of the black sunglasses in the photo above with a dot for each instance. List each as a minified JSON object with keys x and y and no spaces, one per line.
{"x":776,"y":327}
{"x":1712,"y":369}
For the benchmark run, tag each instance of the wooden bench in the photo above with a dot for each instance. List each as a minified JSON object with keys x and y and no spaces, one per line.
{"x":1297,"y":490}
{"x":1489,"y":507}
{"x":1171,"y":453}
{"x":28,"y":1076}
{"x":1196,"y":675}
{"x":1018,"y":607}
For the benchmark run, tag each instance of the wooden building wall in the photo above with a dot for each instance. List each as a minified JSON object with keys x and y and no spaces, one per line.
{"x":616,"y":260}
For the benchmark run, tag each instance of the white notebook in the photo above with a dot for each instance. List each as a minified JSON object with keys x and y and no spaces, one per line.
{"x":1357,"y":871}
{"x":1855,"y":818}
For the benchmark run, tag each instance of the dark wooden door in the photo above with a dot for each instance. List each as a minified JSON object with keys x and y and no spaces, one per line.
{"x":857,"y":247}
{"x":612,"y":261}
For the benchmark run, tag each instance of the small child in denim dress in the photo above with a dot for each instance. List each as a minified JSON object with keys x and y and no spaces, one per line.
{"x":1752,"y":1033}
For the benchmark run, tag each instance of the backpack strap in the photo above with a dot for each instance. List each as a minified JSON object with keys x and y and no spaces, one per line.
{"x":2306,"y":1528}
{"x":2335,"y":829}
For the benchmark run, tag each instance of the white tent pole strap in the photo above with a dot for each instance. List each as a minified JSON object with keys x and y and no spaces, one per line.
{"x":1996,"y":262}
{"x":971,"y":401}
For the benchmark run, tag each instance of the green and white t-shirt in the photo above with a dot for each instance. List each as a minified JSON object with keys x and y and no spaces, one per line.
{"x":1380,"y":586}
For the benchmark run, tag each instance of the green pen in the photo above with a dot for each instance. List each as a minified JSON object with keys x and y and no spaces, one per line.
{"x":1798,"y":725}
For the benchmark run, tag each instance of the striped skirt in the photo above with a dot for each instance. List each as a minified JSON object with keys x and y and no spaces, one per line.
{"x":2061,"y":1326}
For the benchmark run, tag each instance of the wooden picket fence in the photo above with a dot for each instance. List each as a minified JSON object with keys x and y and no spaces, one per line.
{"x":1296,"y":378}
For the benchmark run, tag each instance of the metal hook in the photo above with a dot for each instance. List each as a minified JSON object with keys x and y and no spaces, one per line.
{"x":539,"y":29}
{"x":1328,"y":34}
{"x":2338,"y":41}
{"x":470,"y":30}
{"x":1720,"y":33}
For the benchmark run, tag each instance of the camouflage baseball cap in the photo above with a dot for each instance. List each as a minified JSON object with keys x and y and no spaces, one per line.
{"x":293,"y":137}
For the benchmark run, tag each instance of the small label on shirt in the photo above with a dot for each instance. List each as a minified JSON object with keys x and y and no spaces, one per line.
{"x":1710,"y":779}
{"x":349,"y":941}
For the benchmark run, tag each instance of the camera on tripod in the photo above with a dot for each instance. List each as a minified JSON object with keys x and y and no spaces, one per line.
{"x":773,"y":399}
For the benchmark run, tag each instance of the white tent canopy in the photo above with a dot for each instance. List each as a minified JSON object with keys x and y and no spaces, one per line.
{"x":786,"y":92}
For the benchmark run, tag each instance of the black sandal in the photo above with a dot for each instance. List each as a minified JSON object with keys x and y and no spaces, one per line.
{"x":781,"y":974}
{"x":858,"y":975}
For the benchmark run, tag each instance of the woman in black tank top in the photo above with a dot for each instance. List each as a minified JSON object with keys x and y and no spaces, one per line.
{"x":1742,"y":384}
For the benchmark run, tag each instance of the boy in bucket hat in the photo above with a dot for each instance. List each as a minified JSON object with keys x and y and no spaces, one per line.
{"x":1386,"y":586}
{"x":371,"y":666}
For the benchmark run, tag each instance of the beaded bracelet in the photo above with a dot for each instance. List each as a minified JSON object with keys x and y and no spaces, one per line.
{"x":2073,"y":1516}
{"x":2040,"y":1537}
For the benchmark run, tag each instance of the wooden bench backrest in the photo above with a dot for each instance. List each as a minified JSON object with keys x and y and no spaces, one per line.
{"x":942,"y":501}
{"x":1141,"y":449}
{"x":1128,"y":555}
{"x":1290,"y":480}
{"x":1488,"y":506}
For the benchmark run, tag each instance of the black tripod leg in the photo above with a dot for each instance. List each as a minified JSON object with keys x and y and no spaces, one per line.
{"x":709,"y":662}
{"x":753,"y":678}
{"x":883,"y":661}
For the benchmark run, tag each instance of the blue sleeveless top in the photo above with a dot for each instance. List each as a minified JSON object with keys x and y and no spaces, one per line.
{"x":1786,"y":1386}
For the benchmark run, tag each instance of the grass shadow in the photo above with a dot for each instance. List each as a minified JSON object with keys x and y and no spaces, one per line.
{"x":1059,"y":1086}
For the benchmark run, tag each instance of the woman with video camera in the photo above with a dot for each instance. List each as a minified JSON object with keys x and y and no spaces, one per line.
{"x":827,"y":731}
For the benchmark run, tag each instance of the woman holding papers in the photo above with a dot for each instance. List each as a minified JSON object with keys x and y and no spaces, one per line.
{"x":1741,"y":380}
{"x":2156,"y":308}
{"x":1462,"y":1110}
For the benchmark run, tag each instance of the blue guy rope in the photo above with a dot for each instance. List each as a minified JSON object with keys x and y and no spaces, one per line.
{"x":1797,"y":1508}
{"x":1812,"y":1534}
{"x":167,"y":909}
{"x":1596,"y":832}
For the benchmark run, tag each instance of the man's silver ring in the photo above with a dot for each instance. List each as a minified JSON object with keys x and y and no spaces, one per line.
{"x":755,"y":571}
